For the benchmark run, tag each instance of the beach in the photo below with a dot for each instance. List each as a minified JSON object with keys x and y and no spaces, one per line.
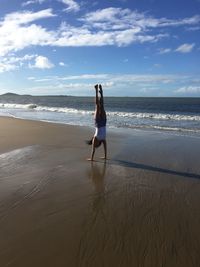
{"x":139,"y":208}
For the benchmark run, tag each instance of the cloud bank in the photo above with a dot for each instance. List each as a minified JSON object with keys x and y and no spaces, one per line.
{"x":109,"y":26}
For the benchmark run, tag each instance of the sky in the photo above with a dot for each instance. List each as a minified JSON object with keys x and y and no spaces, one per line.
{"x":132,"y":47}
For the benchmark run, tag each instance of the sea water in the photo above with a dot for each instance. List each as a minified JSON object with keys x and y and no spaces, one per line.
{"x":164,"y":114}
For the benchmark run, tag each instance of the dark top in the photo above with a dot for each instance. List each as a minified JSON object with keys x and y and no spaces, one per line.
{"x":100,"y":122}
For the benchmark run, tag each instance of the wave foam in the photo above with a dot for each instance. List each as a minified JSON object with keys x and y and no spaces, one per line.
{"x":112,"y":114}
{"x":156,"y":116}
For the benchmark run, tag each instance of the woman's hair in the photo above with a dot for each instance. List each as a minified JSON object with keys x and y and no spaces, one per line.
{"x":89,"y":142}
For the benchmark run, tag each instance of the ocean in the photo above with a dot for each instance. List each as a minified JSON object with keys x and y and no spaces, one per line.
{"x":180,"y":115}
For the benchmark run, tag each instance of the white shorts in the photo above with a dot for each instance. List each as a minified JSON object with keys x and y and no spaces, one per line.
{"x":100,"y":133}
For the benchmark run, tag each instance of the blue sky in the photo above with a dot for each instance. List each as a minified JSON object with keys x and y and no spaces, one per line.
{"x":132,"y":47}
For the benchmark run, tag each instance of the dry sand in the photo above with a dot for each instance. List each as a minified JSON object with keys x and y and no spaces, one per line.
{"x":141,"y":208}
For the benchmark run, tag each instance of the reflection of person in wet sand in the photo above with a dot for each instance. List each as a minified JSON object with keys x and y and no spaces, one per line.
{"x":100,"y":124}
{"x":97,"y":176}
{"x":95,"y":225}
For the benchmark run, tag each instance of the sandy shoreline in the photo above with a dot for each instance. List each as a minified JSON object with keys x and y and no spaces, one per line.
{"x":141,"y":208}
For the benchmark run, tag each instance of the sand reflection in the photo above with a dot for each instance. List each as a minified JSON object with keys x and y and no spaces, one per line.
{"x":97,"y":176}
{"x":94,"y":227}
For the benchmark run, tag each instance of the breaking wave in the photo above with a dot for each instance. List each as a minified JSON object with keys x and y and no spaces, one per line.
{"x":128,"y":115}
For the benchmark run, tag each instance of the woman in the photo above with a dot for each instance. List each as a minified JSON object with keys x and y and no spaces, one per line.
{"x":100,"y":124}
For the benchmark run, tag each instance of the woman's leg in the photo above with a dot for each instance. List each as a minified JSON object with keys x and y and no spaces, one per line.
{"x":102,"y":110}
{"x":93,"y":149}
{"x":95,"y":144}
{"x":101,"y":96}
{"x":105,"y":149}
{"x":97,"y":104}
{"x":103,"y":113}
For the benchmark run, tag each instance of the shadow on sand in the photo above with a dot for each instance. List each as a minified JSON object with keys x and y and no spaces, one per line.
{"x":134,"y":165}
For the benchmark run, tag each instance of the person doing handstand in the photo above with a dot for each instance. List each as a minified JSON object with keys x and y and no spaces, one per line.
{"x":100,"y":124}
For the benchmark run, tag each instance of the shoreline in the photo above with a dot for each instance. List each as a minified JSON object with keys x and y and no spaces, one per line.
{"x":141,"y":207}
{"x":120,"y":130}
{"x":180,"y":118}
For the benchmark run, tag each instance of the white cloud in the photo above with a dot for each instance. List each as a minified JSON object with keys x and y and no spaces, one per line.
{"x":185,"y":48}
{"x":42,"y":80}
{"x":81,"y":88}
{"x":188,"y":90}
{"x":62,"y":64}
{"x":157,"y":65}
{"x":72,"y":5}
{"x":42,"y":62}
{"x":194,"y":28}
{"x":4,"y":67}
{"x":164,"y":50}
{"x":180,"y":22}
{"x":20,"y":18}
{"x":16,"y":33}
{"x":76,"y":77}
{"x":115,"y":84}
{"x":120,"y":78}
{"x":118,"y":18}
{"x":82,"y":36}
{"x":110,"y":26}
{"x":30,"y":2}
{"x":12,"y":63}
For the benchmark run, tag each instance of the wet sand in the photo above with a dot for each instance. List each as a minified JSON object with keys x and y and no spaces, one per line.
{"x":140,"y":208}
